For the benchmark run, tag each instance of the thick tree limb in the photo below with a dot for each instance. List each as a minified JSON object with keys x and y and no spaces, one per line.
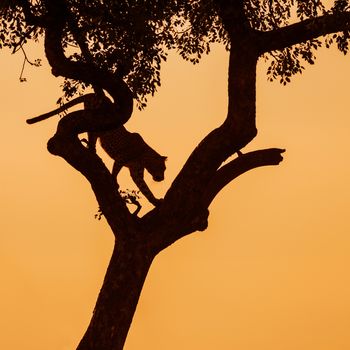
{"x":279,"y":39}
{"x":239,"y":127}
{"x":113,"y":206}
{"x":235,"y":133}
{"x":239,"y":166}
{"x":58,"y":15}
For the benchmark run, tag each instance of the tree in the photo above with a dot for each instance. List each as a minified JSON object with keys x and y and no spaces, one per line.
{"x":249,"y":29}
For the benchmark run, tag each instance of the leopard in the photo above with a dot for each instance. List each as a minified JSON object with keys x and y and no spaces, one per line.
{"x":127,"y":149}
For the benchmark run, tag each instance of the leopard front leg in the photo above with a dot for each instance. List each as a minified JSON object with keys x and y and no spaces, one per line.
{"x":117,"y":166}
{"x":136,"y":173}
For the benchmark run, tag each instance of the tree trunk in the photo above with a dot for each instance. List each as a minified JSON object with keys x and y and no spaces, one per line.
{"x":118,"y":297}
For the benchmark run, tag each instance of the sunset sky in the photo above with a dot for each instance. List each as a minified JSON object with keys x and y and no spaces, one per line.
{"x":270,"y":273}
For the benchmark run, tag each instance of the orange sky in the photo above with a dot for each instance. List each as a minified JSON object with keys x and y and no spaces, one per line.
{"x":270,"y":273}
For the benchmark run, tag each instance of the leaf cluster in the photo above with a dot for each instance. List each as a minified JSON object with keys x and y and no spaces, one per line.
{"x":196,"y":27}
{"x":129,"y":196}
{"x":290,"y":61}
{"x":267,"y":15}
{"x":133,"y":37}
{"x":14,"y":31}
{"x":128,"y":37}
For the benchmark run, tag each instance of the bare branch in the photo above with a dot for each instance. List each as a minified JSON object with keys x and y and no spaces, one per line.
{"x":36,"y":63}
{"x":239,"y":166}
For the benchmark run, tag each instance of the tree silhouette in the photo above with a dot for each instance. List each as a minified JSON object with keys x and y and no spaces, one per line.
{"x":118,"y":47}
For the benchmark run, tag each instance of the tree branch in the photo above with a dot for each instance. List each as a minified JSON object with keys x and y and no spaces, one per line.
{"x":112,"y":205}
{"x":180,"y":216}
{"x":281,"y":38}
{"x":239,"y":166}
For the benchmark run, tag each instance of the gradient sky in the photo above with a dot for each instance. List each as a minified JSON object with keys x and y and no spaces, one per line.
{"x":270,"y":273}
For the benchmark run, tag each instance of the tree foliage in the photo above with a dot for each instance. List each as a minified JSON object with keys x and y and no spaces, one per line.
{"x":134,"y":37}
{"x":128,"y":37}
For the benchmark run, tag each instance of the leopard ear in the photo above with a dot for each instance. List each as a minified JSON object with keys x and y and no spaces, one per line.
{"x":165,"y":158}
